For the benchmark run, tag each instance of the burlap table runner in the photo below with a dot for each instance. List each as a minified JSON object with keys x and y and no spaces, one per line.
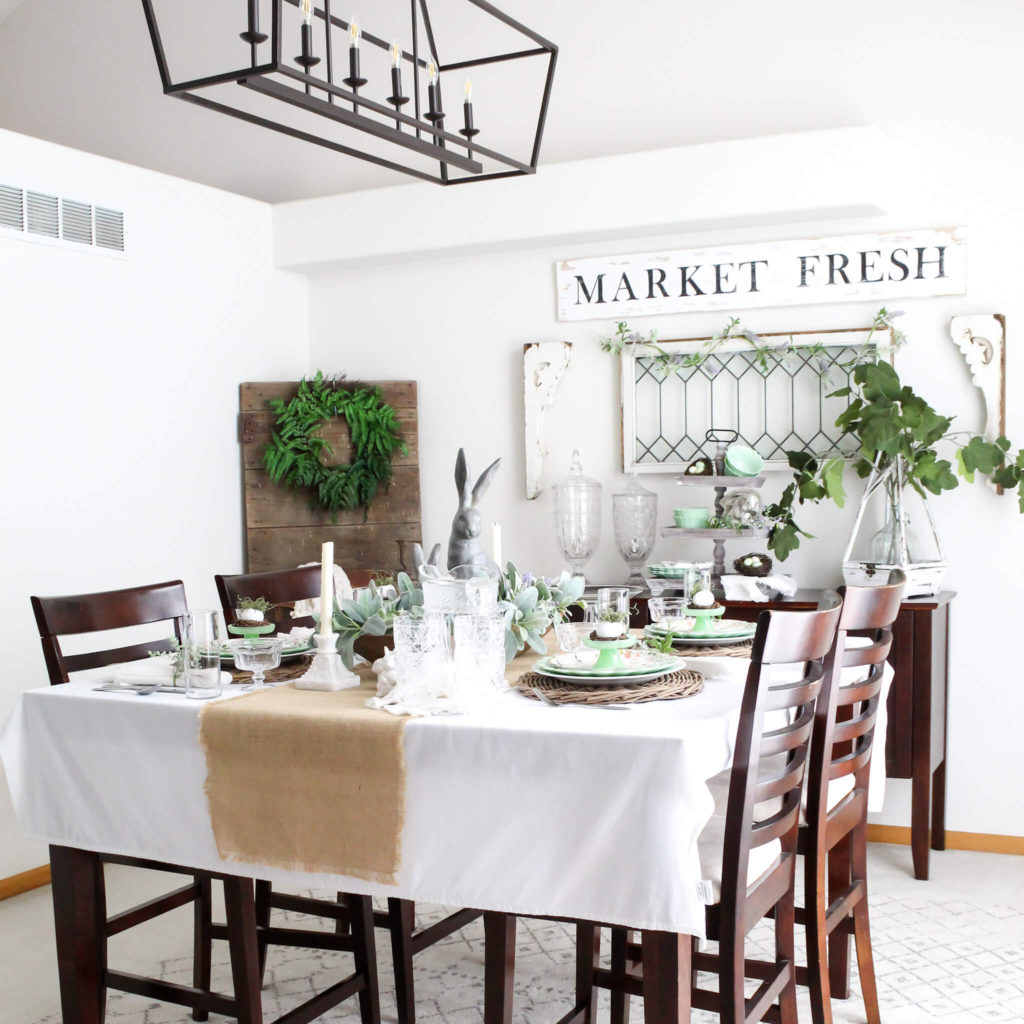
{"x":306,"y":781}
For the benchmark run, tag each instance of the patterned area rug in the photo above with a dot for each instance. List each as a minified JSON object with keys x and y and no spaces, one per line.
{"x":936,"y":959}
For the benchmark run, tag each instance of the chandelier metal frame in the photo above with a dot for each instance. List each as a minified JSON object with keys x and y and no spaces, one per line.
{"x":420,"y":132}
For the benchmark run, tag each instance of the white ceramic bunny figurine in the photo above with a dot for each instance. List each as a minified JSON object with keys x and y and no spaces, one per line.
{"x":464,"y":545}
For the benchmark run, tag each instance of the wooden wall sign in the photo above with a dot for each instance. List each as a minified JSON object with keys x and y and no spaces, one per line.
{"x":281,"y":531}
{"x":927,"y":262}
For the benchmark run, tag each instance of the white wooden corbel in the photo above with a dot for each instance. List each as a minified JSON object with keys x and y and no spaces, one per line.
{"x":982,"y":340}
{"x":544,"y":363}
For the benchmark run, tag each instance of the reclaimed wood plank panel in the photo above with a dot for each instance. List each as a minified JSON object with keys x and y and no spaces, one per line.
{"x":386,"y":546}
{"x":282,"y":531}
{"x":266,"y":504}
{"x":400,"y":394}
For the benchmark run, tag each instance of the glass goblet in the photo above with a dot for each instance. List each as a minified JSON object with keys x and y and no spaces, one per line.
{"x":669,"y":613}
{"x":257,"y":657}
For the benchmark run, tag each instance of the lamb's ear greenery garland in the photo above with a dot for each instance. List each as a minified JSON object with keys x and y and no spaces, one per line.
{"x":294,"y":455}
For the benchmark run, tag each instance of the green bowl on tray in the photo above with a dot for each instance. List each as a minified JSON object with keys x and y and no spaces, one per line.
{"x":691,"y":518}
{"x":742,"y":461}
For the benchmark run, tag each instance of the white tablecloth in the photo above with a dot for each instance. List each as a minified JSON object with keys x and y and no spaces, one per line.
{"x":572,"y":812}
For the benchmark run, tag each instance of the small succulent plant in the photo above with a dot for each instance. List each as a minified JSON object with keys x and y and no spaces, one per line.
{"x":253,"y":604}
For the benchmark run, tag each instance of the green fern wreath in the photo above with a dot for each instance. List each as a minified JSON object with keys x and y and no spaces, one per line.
{"x":293,"y":457}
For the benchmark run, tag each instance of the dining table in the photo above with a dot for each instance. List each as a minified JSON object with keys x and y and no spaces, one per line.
{"x":518,"y":807}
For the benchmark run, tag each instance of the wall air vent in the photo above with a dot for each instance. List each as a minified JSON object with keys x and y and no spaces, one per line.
{"x":12,"y":208}
{"x":76,"y":222}
{"x":110,"y":229}
{"x":68,"y":223}
{"x":43,"y":218}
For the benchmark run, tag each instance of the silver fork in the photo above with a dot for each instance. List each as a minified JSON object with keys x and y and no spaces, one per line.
{"x":545,"y":699}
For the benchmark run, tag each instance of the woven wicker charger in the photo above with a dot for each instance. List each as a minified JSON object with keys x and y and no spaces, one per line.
{"x":672,"y":686}
{"x":741,"y":649}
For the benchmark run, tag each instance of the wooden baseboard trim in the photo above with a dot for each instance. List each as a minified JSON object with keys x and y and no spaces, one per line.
{"x":25,"y":882}
{"x":980,"y":842}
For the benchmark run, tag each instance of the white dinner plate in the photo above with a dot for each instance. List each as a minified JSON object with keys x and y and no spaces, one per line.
{"x":702,"y":641}
{"x":576,"y":680}
{"x":721,"y":629}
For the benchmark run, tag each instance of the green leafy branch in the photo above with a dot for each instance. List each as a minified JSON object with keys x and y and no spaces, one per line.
{"x":892,"y":424}
{"x":294,"y":456}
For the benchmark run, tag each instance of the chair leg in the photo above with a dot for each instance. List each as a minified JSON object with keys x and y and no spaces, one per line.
{"x":785,"y":949}
{"x":588,"y":954}
{"x":816,"y":905}
{"x":262,"y":905}
{"x":361,"y":912}
{"x":839,"y":941}
{"x":402,"y":915}
{"x":499,"y":966}
{"x":341,"y":925}
{"x":621,"y":937}
{"x":862,"y":926}
{"x":202,"y":941}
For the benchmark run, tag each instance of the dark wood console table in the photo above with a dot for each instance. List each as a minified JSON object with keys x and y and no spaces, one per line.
{"x":915,"y":744}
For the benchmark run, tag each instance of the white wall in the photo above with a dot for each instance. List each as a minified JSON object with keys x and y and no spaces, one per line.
{"x":120,"y":397}
{"x":457,"y":326}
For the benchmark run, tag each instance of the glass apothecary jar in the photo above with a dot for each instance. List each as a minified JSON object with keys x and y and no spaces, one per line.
{"x":577,"y":515}
{"x":635,"y":520}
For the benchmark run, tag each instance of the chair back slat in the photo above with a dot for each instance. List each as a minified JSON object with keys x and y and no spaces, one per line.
{"x":846,"y":712}
{"x":76,"y":614}
{"x":281,"y":586}
{"x":764,"y":798}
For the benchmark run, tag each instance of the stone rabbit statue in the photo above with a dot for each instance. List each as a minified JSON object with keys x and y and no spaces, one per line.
{"x":464,"y":545}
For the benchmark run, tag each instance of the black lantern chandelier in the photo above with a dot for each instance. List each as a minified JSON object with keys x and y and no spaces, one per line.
{"x":302,"y":95}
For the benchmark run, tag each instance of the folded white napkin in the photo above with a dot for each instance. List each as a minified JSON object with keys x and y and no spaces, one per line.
{"x":298,"y":634}
{"x":154,"y":672}
{"x":757,"y":588}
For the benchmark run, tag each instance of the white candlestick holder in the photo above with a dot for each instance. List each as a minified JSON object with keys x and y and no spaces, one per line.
{"x":327,"y":672}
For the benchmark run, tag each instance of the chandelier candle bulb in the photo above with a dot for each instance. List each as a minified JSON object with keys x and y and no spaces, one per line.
{"x":467,"y":111}
{"x":327,"y":588}
{"x":354,"y":81}
{"x":396,"y":99}
{"x":306,"y":59}
{"x":433,"y":93}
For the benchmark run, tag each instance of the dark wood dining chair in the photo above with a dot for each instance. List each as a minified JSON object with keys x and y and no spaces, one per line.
{"x":138,"y":606}
{"x":76,"y":614}
{"x":284,"y":587}
{"x":833,"y":840}
{"x":750,"y":852}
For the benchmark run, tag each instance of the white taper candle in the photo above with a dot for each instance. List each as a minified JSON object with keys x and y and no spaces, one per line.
{"x":327,"y":588}
{"x":496,"y":546}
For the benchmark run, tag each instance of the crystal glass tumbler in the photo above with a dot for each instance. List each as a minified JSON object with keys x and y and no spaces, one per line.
{"x":421,"y":649}
{"x":201,"y":640}
{"x":480,"y":650}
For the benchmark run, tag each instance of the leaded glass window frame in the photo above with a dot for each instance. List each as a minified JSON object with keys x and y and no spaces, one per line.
{"x":666,"y":412}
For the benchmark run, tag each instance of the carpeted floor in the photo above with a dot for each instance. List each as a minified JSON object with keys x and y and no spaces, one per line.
{"x":950,"y":950}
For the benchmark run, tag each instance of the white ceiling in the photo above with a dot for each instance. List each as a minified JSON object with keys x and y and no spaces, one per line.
{"x":631,"y":76}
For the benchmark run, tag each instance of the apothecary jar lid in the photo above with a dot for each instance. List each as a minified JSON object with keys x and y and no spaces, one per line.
{"x":576,"y":482}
